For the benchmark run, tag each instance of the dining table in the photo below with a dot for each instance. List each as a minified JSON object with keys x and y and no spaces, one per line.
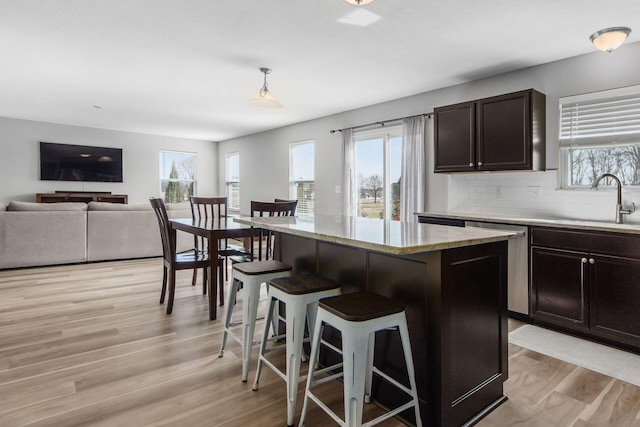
{"x":214,"y":230}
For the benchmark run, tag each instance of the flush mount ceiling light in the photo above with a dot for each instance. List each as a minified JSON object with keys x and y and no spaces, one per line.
{"x":264,"y":98}
{"x":358,"y":2}
{"x":610,"y":38}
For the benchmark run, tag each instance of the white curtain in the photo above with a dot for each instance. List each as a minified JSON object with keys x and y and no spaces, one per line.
{"x":412,"y":190}
{"x":349,"y":197}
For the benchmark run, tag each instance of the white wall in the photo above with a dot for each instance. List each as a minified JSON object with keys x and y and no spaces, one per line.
{"x":264,"y":156}
{"x":20,"y":164}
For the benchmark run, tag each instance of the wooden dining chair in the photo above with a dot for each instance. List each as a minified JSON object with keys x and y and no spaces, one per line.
{"x":214,"y":209}
{"x":265,"y":237}
{"x":191,"y":259}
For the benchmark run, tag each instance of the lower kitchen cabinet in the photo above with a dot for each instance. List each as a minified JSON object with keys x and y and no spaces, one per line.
{"x":559,"y":287}
{"x":615,"y":299}
{"x":588,"y":283}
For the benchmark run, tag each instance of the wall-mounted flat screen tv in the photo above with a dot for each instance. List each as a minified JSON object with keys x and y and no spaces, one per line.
{"x":66,"y":162}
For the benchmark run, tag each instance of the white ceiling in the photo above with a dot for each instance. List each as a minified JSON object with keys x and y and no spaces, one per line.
{"x":187,"y":67}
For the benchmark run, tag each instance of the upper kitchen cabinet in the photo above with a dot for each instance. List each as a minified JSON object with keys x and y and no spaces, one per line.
{"x":501,"y":133}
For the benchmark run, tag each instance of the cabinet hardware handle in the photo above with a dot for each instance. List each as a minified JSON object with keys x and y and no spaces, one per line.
{"x":584,"y":260}
{"x":592,"y":261}
{"x":470,"y":165}
{"x":479,"y":163}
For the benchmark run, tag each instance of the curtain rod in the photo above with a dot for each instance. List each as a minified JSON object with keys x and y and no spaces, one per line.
{"x":381,"y":123}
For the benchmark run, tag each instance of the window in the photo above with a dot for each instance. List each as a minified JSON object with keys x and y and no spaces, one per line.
{"x":301,"y":176}
{"x":177,"y":176}
{"x":600,"y":133}
{"x":232,"y":180}
{"x":378,"y":168}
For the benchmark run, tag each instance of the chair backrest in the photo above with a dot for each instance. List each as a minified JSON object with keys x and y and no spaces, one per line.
{"x":262,"y":209}
{"x":288,"y":201}
{"x":208,"y":208}
{"x":168,"y":245}
{"x":287,"y":208}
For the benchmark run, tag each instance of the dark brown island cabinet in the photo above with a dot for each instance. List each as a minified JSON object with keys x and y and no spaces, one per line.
{"x":456,"y":310}
{"x":453,"y":284}
{"x":501,"y":133}
{"x":587,"y":283}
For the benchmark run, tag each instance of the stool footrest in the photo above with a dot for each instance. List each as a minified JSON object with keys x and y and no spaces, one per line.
{"x":274,"y":368}
{"x":239,"y":340}
{"x":325,"y":408}
{"x":331,"y":346}
{"x":327,"y":379}
{"x":392,"y":381}
{"x":389,"y":414}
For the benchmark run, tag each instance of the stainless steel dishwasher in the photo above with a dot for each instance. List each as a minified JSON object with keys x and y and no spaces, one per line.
{"x":518,"y":268}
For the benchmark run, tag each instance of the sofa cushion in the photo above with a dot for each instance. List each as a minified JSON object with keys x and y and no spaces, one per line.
{"x":32,"y":206}
{"x":122,"y":234}
{"x":106,"y":206}
{"x":30,"y":238}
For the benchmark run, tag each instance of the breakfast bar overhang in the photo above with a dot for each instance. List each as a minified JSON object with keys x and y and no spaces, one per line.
{"x":452,"y":281}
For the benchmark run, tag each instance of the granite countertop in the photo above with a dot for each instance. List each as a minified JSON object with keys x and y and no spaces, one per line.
{"x":547,"y":222}
{"x":393,"y":237}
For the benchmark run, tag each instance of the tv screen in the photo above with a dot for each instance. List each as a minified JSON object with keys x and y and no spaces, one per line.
{"x":66,"y":162}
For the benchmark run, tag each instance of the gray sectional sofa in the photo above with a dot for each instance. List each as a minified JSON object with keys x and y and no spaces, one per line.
{"x":33,"y":234}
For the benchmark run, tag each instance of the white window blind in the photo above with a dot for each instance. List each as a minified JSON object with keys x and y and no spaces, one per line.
{"x":609,"y":118}
{"x":600,"y":133}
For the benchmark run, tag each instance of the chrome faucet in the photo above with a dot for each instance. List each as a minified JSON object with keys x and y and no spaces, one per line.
{"x":620,"y":210}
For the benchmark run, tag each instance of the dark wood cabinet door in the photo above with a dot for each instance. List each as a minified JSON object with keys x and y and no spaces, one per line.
{"x":455,"y":138}
{"x":559,"y":286}
{"x":504,"y":132}
{"x":615,"y":299}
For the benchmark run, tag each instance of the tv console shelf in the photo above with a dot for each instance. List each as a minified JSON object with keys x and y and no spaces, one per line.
{"x":81,"y":197}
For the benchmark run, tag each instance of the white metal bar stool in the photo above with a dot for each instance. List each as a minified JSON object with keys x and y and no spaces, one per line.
{"x":300,"y":294}
{"x":358,"y":316}
{"x":249,"y":275}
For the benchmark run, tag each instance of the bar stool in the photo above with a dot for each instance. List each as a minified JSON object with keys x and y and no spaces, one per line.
{"x":358,"y":316}
{"x":300,"y":294}
{"x":249,"y":275}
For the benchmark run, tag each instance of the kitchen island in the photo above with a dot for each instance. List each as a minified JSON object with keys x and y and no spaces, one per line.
{"x":453,"y":283}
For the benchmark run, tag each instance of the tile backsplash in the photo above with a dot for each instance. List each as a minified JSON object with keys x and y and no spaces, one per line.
{"x":534,"y":194}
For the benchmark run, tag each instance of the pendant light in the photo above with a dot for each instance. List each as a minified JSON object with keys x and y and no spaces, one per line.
{"x":610,"y":38}
{"x":358,"y":2}
{"x":264,"y":98}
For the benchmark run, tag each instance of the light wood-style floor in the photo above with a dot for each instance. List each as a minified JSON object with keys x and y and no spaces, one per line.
{"x":90,"y":345}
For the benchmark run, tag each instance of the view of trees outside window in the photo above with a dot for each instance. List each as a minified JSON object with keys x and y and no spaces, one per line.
{"x":378,"y":165}
{"x":232,"y":180}
{"x":177,"y":176}
{"x":587,"y":165}
{"x":301,"y":176}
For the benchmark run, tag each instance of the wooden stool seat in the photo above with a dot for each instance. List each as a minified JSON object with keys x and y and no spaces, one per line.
{"x":261,"y":267}
{"x":361,"y":306}
{"x":303,"y":284}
